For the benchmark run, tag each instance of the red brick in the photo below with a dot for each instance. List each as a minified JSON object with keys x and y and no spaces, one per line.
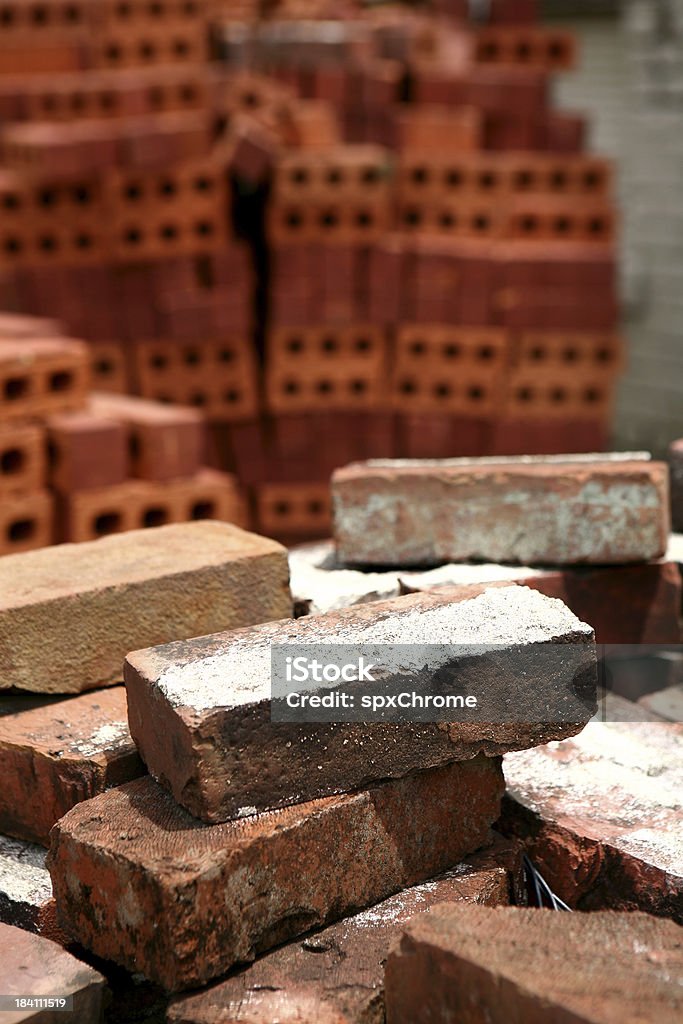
{"x":124,"y":592}
{"x":34,"y":966}
{"x":599,"y":817}
{"x":27,"y":521}
{"x":53,"y":754}
{"x":337,"y":975}
{"x":22,"y":458}
{"x":86,"y":451}
{"x":39,"y":376}
{"x":256,"y":882}
{"x":557,"y":511}
{"x":470,"y":963}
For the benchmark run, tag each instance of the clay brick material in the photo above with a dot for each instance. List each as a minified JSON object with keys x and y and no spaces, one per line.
{"x":553,"y":393}
{"x":556,"y":511}
{"x":16,"y":325}
{"x":27,"y":521}
{"x":99,"y":601}
{"x":600,"y":817}
{"x":138,"y":504}
{"x":293,"y":509}
{"x":55,"y":753}
{"x":470,"y":963}
{"x":547,"y":48}
{"x":164,"y":443}
{"x":86,"y":451}
{"x":22,"y":458}
{"x":26,"y":899}
{"x":32,"y":965}
{"x":39,"y":376}
{"x":140,"y":882}
{"x":108,"y":369}
{"x":676,"y":472}
{"x":337,"y":976}
{"x":183,"y":699}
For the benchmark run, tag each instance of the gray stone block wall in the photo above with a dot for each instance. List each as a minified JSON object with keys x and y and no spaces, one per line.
{"x":630,"y":83}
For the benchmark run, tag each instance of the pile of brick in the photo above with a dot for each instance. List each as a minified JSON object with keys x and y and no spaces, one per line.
{"x":373,"y":242}
{"x":76,"y":465}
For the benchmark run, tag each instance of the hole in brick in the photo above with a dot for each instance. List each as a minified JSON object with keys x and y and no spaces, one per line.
{"x":558,"y":395}
{"x":591,"y":179}
{"x":453,"y":178}
{"x":198,"y":398}
{"x":47,"y":197}
{"x":524,"y":180}
{"x":364,"y":219}
{"x":133,"y":236}
{"x":250,"y":99}
{"x":106,"y":522}
{"x":537,"y":354}
{"x":329,"y":345}
{"x":54,"y":454}
{"x":103,"y":367}
{"x":290,"y":387}
{"x":158,"y":361}
{"x":295,"y":345}
{"x":77,"y":102}
{"x":123,"y":11}
{"x":156,"y":10}
{"x":447,"y":220}
{"x":12,"y":461}
{"x":133,"y":191}
{"x":596,"y":226}
{"x":528,"y":224}
{"x":570,"y":355}
{"x":167,"y":187}
{"x":370,"y":175}
{"x":487,"y":180}
{"x":281,"y":508}
{"x":62,"y":380}
{"x":324,"y":387}
{"x":81,"y":194}
{"x":475,"y":393}
{"x":39,"y":15}
{"x":315,"y":507}
{"x":47,"y":243}
{"x":362,"y":344}
{"x":188,"y":94}
{"x":147,"y":50}
{"x":488,"y":51}
{"x":15,"y":388}
{"x":592,"y":395}
{"x":203,"y":510}
{"x":556,"y":50}
{"x":164,"y":398}
{"x":418,"y":348}
{"x":113,"y":52}
{"x":486,"y":353}
{"x":83,"y":241}
{"x":180,"y":48}
{"x":204,"y":228}
{"x":603,"y":355}
{"x":558,"y":179}
{"x":157,"y":96}
{"x":524,"y":394}
{"x":451,"y":350}
{"x":329,"y":219}
{"x":298,"y":175}
{"x":293,"y":219}
{"x":226,"y":355}
{"x":202,"y":184}
{"x":232,"y":396}
{"x":20,"y":530}
{"x":155,"y":516}
{"x":480,"y":222}
{"x":562,"y":225}
{"x":358,"y":386}
{"x":191,"y":356}
{"x":442,"y":390}
{"x":408,"y":387}
{"x":412,"y":217}
{"x":13,"y":245}
{"x":523,"y":51}
{"x":334,"y":176}
{"x":134,"y":446}
{"x":419,"y":175}
{"x":11,"y":201}
{"x":72,"y":14}
{"x":190,"y":7}
{"x":107,"y":100}
{"x":169,"y":232}
{"x":6,"y":16}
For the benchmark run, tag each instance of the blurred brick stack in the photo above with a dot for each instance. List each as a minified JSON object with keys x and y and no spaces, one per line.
{"x":368,"y":238}
{"x":76,"y":465}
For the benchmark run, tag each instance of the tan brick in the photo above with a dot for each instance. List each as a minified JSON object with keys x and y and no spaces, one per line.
{"x":184,"y":699}
{"x":53,"y":754}
{"x":34,"y":966}
{"x":337,"y":976}
{"x":538,"y":509}
{"x":504,"y":964}
{"x":97,"y":601}
{"x":140,"y":882}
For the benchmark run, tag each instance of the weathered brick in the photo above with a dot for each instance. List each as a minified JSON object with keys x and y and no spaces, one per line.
{"x":570,"y":509}
{"x":34,"y":966}
{"x":502,"y":964}
{"x":140,"y":882}
{"x":55,"y":753}
{"x":26,"y":899}
{"x":601,"y":815}
{"x":185,"y":698}
{"x":98,"y":600}
{"x":336,"y":976}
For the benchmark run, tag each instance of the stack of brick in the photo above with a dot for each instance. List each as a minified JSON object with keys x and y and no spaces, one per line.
{"x":76,"y":465}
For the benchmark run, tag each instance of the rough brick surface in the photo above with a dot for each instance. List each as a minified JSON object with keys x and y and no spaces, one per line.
{"x":336,"y":976}
{"x":33,"y":965}
{"x":99,"y":600}
{"x":55,"y":753}
{"x":623,"y":603}
{"x":601,"y":815}
{"x":471,"y":964}
{"x":140,"y":882}
{"x":184,"y":699}
{"x":534,"y":510}
{"x":26,"y":898}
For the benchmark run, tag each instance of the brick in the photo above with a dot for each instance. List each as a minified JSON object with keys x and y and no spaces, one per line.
{"x":17,"y":325}
{"x":171,"y":696}
{"x":183,"y":909}
{"x":27,"y":521}
{"x":56,"y":753}
{"x":86,"y":451}
{"x":164,"y":443}
{"x":108,"y":369}
{"x":599,"y":817}
{"x":556,"y":511}
{"x":431,"y":129}
{"x":41,"y":376}
{"x":337,"y":975}
{"x":553,"y":393}
{"x":140,"y":588}
{"x":287,"y":510}
{"x":457,"y":963}
{"x":33,"y":965}
{"x":26,"y":899}
{"x":547,"y":48}
{"x":22,"y":458}
{"x":676,"y":474}
{"x":208,"y":494}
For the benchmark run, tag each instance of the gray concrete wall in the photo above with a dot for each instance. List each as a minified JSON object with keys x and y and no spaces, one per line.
{"x":631,"y":84}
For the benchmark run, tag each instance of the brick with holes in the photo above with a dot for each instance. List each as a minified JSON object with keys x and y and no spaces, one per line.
{"x":564,"y":510}
{"x":163,"y":442}
{"x":536,"y":47}
{"x":55,"y":753}
{"x":293,"y":509}
{"x":531,"y":393}
{"x":433,"y":129}
{"x":141,"y":587}
{"x":86,"y":451}
{"x":108,"y":366}
{"x":40,"y":376}
{"x":23,"y":465}
{"x":27,"y":521}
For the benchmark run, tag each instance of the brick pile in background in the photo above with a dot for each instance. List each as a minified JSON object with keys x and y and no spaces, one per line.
{"x":76,"y":465}
{"x":380,"y":243}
